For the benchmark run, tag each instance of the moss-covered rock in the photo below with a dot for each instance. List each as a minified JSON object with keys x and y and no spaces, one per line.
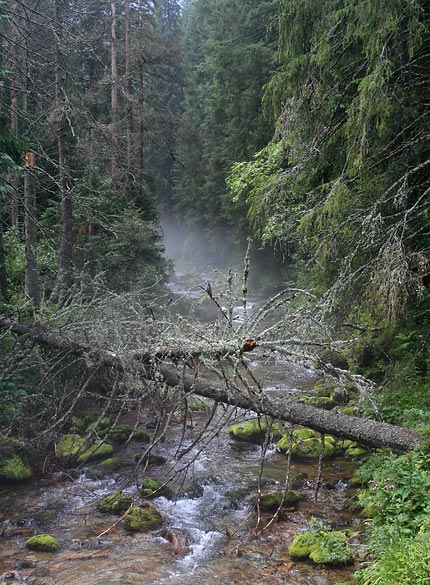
{"x":197,"y":406}
{"x":150,"y":459}
{"x":117,"y":503}
{"x":141,"y":436}
{"x":325,"y":402}
{"x":253,"y":431}
{"x":111,"y":464}
{"x":120,"y":434}
{"x":306,"y":444}
{"x":10,"y":446}
{"x":96,"y":451}
{"x":152,"y":487}
{"x":322,"y":547}
{"x":42,"y":543}
{"x":331,"y":548}
{"x":356,"y":450}
{"x":334,"y":358}
{"x":14,"y":469}
{"x":273,"y":500}
{"x":70,"y":446}
{"x":301,"y":546}
{"x":143,"y":519}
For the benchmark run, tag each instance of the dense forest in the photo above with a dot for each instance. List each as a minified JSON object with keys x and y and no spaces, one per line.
{"x":290,"y":137}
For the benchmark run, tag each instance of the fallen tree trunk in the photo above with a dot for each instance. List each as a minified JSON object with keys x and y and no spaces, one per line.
{"x":366,"y":431}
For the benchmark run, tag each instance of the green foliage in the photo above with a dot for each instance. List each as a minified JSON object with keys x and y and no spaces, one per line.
{"x":14,"y":469}
{"x":229,"y":50}
{"x":405,"y":561}
{"x":12,"y":400}
{"x":398,"y":492}
{"x":350,"y":200}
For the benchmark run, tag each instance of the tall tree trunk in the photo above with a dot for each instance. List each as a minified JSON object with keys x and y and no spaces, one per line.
{"x":129,"y":101}
{"x":64,"y":274}
{"x":14,"y":124}
{"x":3,"y":274}
{"x":114,"y":94}
{"x":30,"y":227}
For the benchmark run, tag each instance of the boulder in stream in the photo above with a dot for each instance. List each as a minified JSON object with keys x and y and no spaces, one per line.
{"x":143,"y":519}
{"x":253,"y":431}
{"x":42,"y":543}
{"x":116,"y":503}
{"x":273,"y":500}
{"x":322,"y":547}
{"x":306,"y":444}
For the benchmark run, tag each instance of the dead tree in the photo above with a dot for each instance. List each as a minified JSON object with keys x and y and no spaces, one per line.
{"x":146,"y":365}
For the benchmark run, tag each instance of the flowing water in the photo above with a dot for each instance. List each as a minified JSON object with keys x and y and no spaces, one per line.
{"x":212,"y":513}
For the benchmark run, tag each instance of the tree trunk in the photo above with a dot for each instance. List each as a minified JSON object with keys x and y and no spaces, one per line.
{"x":129,"y":102}
{"x":64,"y":275}
{"x":30,"y":227}
{"x":14,"y":124}
{"x":114,"y":95}
{"x":366,"y":431}
{"x":3,"y":273}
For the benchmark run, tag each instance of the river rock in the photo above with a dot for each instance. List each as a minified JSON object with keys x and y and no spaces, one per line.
{"x":111,"y":464}
{"x":322,"y":547}
{"x":273,"y":500}
{"x":151,"y":488}
{"x":116,"y":503}
{"x":143,"y":519}
{"x":253,"y":431}
{"x":42,"y":543}
{"x":306,"y":444}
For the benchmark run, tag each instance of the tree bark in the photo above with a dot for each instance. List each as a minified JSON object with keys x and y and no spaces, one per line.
{"x":366,"y":431}
{"x":14,"y":124}
{"x":30,"y":228}
{"x":129,"y":101}
{"x":64,"y":275}
{"x":114,"y":95}
{"x":3,"y":273}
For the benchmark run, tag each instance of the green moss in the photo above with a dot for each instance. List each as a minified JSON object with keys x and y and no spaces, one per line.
{"x":10,"y":446}
{"x":253,"y":431}
{"x":307,"y":444}
{"x":69,"y":446}
{"x":322,"y":547}
{"x":151,"y":487}
{"x":331,"y":548}
{"x":42,"y":542}
{"x":356,"y":450}
{"x":99,"y":450}
{"x":301,"y":546}
{"x":151,"y":459}
{"x":120,"y":434}
{"x":324,"y":388}
{"x":114,"y":503}
{"x":141,"y":436}
{"x":142,"y":519}
{"x":325,"y":402}
{"x":273,"y":500}
{"x":14,"y":469}
{"x":197,"y":406}
{"x":111,"y":464}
